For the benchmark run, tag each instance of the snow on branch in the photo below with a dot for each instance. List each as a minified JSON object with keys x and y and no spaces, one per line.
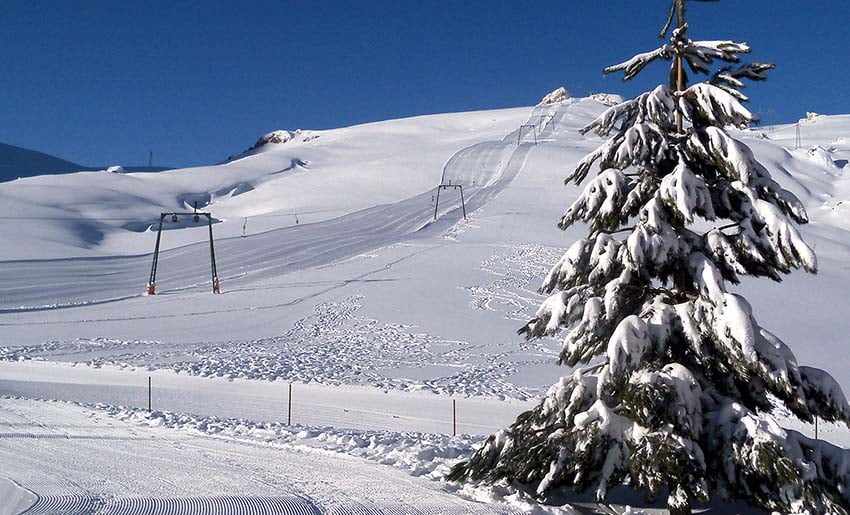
{"x":708,"y":278}
{"x":731,"y":80}
{"x":768,"y":226}
{"x":561,"y":309}
{"x":700,"y":54}
{"x":736,"y":161}
{"x":571,"y":269}
{"x":586,"y":163}
{"x":627,"y":346}
{"x":604,"y":124}
{"x":724,"y":253}
{"x":637,"y":63}
{"x":751,"y":354}
{"x":824,"y":396}
{"x":751,"y":71}
{"x":642,"y":144}
{"x":777,"y":367}
{"x":685,"y":410}
{"x":656,"y":106}
{"x":812,"y":476}
{"x":588,"y":337}
{"x":706,"y":104}
{"x":601,"y":201}
{"x":687,"y":192}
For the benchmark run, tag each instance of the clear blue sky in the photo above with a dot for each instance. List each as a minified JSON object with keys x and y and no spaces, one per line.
{"x":102,"y":82}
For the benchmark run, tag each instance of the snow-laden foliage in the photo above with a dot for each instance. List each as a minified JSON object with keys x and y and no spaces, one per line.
{"x":683,"y":379}
{"x":699,"y":55}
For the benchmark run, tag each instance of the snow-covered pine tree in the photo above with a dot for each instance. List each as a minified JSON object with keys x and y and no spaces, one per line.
{"x":678,"y":398}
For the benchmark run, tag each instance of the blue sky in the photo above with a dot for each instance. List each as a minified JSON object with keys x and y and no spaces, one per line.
{"x":103,"y":82}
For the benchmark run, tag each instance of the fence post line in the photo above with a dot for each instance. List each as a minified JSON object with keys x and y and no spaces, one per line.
{"x":454,"y":417}
{"x":149,"y":394}
{"x":289,"y":412}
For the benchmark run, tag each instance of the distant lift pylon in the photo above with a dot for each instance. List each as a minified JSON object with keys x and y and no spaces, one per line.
{"x":196,"y":216}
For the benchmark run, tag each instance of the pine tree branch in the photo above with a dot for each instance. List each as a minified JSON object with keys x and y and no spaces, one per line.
{"x":673,"y":294}
{"x":733,"y":225}
{"x":669,"y":22}
{"x":603,"y":231}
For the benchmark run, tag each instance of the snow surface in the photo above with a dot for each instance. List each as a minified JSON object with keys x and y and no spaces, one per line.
{"x":130,"y":462}
{"x":344,"y":285}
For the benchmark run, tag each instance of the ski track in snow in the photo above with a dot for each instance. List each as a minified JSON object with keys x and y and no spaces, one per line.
{"x":333,"y":346}
{"x":45,"y":284}
{"x":518,"y":267}
{"x":236,"y":467}
{"x":73,"y":505}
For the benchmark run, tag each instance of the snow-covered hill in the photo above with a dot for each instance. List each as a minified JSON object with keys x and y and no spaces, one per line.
{"x":333,"y":173}
{"x":316,"y":209}
{"x":344,"y":278}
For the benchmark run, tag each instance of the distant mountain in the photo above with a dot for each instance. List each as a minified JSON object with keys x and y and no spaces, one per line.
{"x":21,"y":162}
{"x":18,"y":162}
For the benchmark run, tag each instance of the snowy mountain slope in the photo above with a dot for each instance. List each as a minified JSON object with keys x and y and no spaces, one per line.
{"x":818,"y":172}
{"x":369,"y":291}
{"x":241,"y":322}
{"x":269,"y":254}
{"x":339,"y":171}
{"x":440,"y":259}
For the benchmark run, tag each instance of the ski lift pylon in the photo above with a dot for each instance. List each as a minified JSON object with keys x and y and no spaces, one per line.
{"x":151,"y":288}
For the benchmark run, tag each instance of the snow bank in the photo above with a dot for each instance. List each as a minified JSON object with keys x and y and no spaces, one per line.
{"x":420,"y":454}
{"x":821,"y":156}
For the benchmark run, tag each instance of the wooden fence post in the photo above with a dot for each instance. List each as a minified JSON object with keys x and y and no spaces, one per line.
{"x":454,"y":417}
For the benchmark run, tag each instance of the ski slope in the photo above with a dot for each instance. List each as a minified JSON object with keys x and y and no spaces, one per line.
{"x":344,"y":284}
{"x":29,"y":285}
{"x":473,"y":281}
{"x":124,"y":468}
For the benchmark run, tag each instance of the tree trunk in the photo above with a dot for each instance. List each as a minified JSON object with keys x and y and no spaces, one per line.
{"x":680,"y":66}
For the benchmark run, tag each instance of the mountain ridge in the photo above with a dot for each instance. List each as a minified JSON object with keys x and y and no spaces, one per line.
{"x":19,"y":162}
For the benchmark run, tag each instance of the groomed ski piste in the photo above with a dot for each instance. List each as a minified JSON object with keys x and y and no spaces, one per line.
{"x":393,"y":329}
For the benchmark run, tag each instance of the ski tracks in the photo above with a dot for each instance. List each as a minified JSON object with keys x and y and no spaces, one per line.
{"x":226,"y":504}
{"x":241,"y":504}
{"x":486,"y":169}
{"x":174,"y":472}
